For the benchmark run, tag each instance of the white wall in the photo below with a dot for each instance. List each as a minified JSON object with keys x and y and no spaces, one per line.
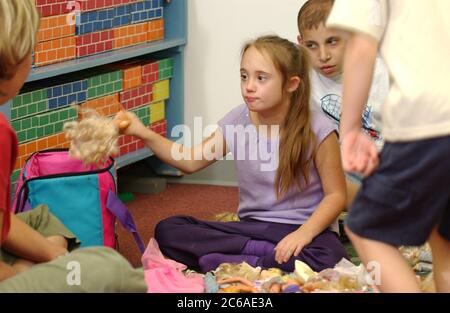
{"x":217,"y":30}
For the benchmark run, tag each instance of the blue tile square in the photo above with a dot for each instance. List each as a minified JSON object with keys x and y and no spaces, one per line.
{"x":158,"y":13}
{"x":121,"y":10}
{"x":147,"y":5}
{"x":84,"y":85}
{"x":131,"y":7}
{"x":87,"y":28}
{"x":93,"y":16}
{"x":72,"y":98}
{"x":57,"y":91}
{"x":84,"y":18}
{"x":97,"y":26}
{"x":76,"y":86}
{"x":125,"y":20}
{"x":62,"y":101}
{"x":52,"y":104}
{"x":81,"y":97}
{"x":67,"y":88}
{"x":49,"y":93}
{"x":151,"y":14}
{"x":107,"y":24}
{"x":110,"y":13}
{"x":102,"y":15}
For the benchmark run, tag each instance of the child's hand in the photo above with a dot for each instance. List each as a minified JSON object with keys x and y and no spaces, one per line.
{"x":129,"y":124}
{"x":359,"y":153}
{"x":291,"y":245}
{"x":6,"y":271}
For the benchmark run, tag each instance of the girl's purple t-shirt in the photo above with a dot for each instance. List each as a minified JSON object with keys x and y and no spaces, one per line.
{"x":256,"y":161}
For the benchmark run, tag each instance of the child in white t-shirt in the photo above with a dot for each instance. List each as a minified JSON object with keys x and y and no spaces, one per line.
{"x":326,"y":47}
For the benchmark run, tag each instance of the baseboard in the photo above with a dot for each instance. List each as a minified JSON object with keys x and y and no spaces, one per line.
{"x":221,"y":173}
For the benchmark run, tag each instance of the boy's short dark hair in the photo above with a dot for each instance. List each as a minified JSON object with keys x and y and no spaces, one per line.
{"x":312,"y":13}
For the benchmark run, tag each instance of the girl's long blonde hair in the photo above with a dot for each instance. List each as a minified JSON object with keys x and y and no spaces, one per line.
{"x":19,"y":22}
{"x":298,"y":142}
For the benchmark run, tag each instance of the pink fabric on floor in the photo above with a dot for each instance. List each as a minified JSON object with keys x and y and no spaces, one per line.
{"x":165,"y":276}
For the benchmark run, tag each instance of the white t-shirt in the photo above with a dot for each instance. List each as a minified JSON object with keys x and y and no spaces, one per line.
{"x":414,"y":37}
{"x":326,"y":97}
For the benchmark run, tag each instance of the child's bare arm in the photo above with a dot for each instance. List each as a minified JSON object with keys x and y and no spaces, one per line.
{"x":25,"y":242}
{"x":188,"y":160}
{"x":359,"y":63}
{"x":359,"y":153}
{"x":328,"y":164}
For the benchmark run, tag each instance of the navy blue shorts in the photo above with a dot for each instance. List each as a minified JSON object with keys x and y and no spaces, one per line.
{"x":407,"y":196}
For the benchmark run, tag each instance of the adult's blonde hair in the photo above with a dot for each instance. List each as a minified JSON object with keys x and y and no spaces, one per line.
{"x":298,"y":141}
{"x":19,"y":22}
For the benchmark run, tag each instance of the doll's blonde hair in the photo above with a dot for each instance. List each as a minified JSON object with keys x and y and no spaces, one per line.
{"x":93,"y":139}
{"x":19,"y":22}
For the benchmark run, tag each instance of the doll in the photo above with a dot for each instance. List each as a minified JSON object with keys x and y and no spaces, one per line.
{"x":94,"y":138}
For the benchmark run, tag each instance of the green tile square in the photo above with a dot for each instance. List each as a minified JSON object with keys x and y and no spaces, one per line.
{"x":31,"y":134}
{"x":53,"y":115}
{"x":63,"y":115}
{"x":73,"y":113}
{"x":53,"y":118}
{"x":36,"y":96}
{"x":43,"y":130}
{"x":42,"y":106}
{"x":34,"y":121}
{"x":21,"y":136}
{"x":118,"y":86}
{"x":94,"y":81}
{"x":58,"y":127}
{"x":40,"y":132}
{"x":32,"y":108}
{"x":16,"y":125}
{"x":91,"y":93}
{"x":15,"y":176}
{"x":17,"y":101}
{"x":14,"y":114}
{"x":104,"y":79}
{"x":100,"y":90}
{"x":22,"y":111}
{"x":109,"y":88}
{"x":44,"y":93}
{"x":49,"y":130}
{"x":116,"y":75}
{"x":26,"y":123}
{"x":26,"y":98}
{"x":44,"y":120}
{"x":162,"y":64}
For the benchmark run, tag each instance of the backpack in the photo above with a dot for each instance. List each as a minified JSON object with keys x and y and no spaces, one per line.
{"x":84,"y":198}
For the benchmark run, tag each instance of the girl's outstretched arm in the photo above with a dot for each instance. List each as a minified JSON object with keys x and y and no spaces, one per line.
{"x":329,"y":167}
{"x":187,"y":160}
